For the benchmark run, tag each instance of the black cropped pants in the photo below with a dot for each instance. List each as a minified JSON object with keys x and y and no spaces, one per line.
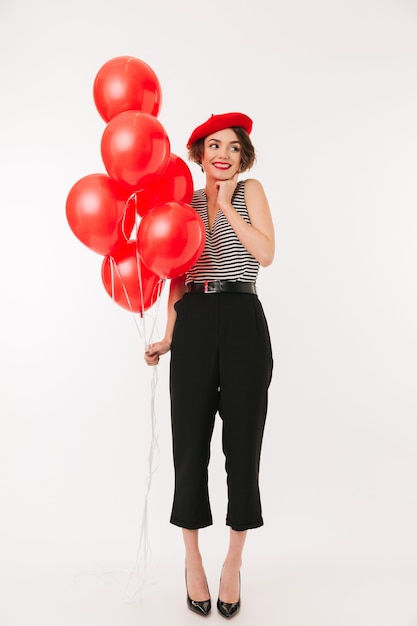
{"x":221,"y":362}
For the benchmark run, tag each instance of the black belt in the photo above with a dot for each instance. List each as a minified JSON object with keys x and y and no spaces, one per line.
{"x":218,"y":286}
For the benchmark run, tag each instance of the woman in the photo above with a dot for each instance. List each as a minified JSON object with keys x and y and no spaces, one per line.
{"x":221,"y":358}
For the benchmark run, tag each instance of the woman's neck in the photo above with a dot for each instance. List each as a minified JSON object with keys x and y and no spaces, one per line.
{"x":210,"y":188}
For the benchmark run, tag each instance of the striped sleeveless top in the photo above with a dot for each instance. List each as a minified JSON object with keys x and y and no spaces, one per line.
{"x":223,"y":257}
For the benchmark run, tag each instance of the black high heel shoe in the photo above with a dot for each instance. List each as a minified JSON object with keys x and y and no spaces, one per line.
{"x":202,"y":608}
{"x":229,"y":609}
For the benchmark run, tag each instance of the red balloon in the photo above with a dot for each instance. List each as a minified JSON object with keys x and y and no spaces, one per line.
{"x":175,"y":184}
{"x":170,"y":238}
{"x":135,"y":149}
{"x":98,"y":212}
{"x":128,"y":281}
{"x":125,"y":84}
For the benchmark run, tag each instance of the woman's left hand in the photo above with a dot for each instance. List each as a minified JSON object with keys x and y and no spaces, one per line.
{"x":225,"y":190}
{"x":258,"y":235}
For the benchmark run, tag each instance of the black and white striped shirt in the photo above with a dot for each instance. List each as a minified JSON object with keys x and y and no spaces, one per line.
{"x":223,"y":257}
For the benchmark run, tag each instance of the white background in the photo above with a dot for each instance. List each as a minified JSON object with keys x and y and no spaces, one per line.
{"x":332,"y":89}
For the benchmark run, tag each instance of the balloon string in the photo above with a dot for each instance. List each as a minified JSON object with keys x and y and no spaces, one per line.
{"x":140,"y":568}
{"x":138,"y":578}
{"x":115,"y":270}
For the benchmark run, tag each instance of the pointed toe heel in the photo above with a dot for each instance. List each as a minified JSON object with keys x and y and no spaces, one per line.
{"x":201,"y":608}
{"x":228,"y":609}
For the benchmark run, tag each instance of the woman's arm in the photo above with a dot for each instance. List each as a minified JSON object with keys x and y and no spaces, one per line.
{"x":258,"y":237}
{"x":157,"y":349}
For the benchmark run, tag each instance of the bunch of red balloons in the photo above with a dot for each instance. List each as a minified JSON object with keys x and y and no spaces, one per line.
{"x":137,"y":215}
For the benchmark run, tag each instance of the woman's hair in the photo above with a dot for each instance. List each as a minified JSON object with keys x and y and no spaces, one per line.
{"x":247,"y":154}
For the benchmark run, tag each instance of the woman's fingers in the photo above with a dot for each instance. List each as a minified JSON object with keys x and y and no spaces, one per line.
{"x":151,"y":359}
{"x":154,"y":350}
{"x":152,"y":353}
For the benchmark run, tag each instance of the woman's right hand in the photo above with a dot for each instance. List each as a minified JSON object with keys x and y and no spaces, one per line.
{"x":155,"y":350}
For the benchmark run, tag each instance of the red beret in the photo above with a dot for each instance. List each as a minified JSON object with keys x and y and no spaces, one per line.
{"x":220,"y":122}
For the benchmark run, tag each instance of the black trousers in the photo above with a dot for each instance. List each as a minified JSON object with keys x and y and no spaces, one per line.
{"x":221,"y":362}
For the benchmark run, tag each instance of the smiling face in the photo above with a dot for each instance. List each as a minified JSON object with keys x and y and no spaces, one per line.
{"x":222,"y":154}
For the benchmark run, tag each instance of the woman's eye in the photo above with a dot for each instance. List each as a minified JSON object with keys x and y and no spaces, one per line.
{"x":213,"y":145}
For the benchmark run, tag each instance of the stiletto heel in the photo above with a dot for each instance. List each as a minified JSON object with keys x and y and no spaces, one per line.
{"x":228,"y":609}
{"x":202,"y":608}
